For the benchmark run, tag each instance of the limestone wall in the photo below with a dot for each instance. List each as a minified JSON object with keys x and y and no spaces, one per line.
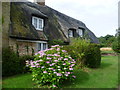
{"x":22,"y":47}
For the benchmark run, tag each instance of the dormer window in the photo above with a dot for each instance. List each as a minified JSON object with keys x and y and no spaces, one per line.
{"x":80,"y":32}
{"x":70,"y":33}
{"x":38,"y":23}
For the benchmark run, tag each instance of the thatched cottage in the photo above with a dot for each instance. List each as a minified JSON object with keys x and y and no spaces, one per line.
{"x":27,"y":27}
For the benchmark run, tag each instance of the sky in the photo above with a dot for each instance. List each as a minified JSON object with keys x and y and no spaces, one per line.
{"x":100,"y":16}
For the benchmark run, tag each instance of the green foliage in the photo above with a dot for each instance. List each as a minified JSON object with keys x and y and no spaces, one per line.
{"x":10,"y":62}
{"x":116,"y":46}
{"x":84,"y":52}
{"x":104,"y":77}
{"x":116,"y":43}
{"x":92,"y":56}
{"x":77,"y":50}
{"x":51,"y":67}
{"x":106,"y":41}
{"x":22,"y":62}
{"x":13,"y":64}
{"x":56,"y":42}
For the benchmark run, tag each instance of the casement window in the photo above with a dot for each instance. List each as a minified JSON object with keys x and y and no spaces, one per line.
{"x":80,"y":32}
{"x":42,"y":46}
{"x":70,"y":33}
{"x":38,"y":23}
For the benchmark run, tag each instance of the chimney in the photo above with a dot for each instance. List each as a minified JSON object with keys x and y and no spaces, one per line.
{"x":40,"y":2}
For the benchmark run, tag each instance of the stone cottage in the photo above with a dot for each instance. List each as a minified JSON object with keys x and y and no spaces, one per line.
{"x":27,"y":27}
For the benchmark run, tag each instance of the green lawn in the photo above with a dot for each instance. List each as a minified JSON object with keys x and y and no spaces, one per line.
{"x":104,"y":77}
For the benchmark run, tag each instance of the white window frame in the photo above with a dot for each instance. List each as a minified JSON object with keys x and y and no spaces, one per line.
{"x":37,"y":42}
{"x":42,"y":46}
{"x":42,"y":24}
{"x":80,"y":32}
{"x":70,"y":33}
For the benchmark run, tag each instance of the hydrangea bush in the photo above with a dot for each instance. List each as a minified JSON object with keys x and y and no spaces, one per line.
{"x":52,"y":66}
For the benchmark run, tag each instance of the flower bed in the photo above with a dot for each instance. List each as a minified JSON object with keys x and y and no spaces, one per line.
{"x":51,"y":67}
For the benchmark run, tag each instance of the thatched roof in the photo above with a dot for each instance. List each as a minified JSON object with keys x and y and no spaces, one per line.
{"x":56,"y":23}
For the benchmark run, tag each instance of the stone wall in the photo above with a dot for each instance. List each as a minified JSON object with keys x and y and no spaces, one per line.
{"x":22,"y":47}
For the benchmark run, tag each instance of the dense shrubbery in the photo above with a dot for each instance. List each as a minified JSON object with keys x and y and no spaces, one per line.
{"x":56,"y":42}
{"x":12,"y":64}
{"x":84,"y":53}
{"x":106,"y":41}
{"x":52,"y":66}
{"x":116,"y":46}
{"x":92,"y":56}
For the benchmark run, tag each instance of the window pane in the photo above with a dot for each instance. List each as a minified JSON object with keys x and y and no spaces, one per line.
{"x":35,"y":22}
{"x":40,"y":24}
{"x":39,"y":46}
{"x":70,"y":33}
{"x":80,"y":32}
{"x":44,"y":46}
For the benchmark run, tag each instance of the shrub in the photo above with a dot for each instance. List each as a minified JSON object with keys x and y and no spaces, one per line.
{"x":84,"y":52}
{"x":92,"y":56}
{"x":51,"y":67}
{"x":22,"y":62}
{"x":12,"y":64}
{"x":116,"y":46}
{"x":77,"y":50}
{"x":56,"y":42}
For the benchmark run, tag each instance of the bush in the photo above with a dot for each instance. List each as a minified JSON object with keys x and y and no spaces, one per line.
{"x":92,"y":56}
{"x":23,"y":62}
{"x":116,"y":46}
{"x":56,"y":42}
{"x":77,"y":50}
{"x":12,"y":64}
{"x":51,"y":67}
{"x":84,"y":52}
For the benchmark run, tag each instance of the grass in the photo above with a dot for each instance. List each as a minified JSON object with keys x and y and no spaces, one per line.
{"x":104,"y":77}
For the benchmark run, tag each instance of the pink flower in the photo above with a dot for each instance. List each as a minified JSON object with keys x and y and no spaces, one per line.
{"x":59,"y":74}
{"x":37,"y":64}
{"x":44,"y":71}
{"x":42,"y":67}
{"x":64,"y":63}
{"x":64,"y":51}
{"x":49,"y":58}
{"x":53,"y":69}
{"x":50,"y":68}
{"x":72,"y":65}
{"x":73,"y":76}
{"x":40,"y":60}
{"x":70,"y":68}
{"x":55,"y":60}
{"x":51,"y":64}
{"x":47,"y":62}
{"x":55,"y":72}
{"x":32,"y":65}
{"x":56,"y":55}
{"x":66,"y":59}
{"x":66,"y":74}
{"x":54,"y":86}
{"x":58,"y":49}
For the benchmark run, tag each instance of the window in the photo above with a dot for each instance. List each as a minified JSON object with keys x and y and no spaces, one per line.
{"x":37,"y":23}
{"x":42,"y":46}
{"x":80,"y":32}
{"x":70,"y":33}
